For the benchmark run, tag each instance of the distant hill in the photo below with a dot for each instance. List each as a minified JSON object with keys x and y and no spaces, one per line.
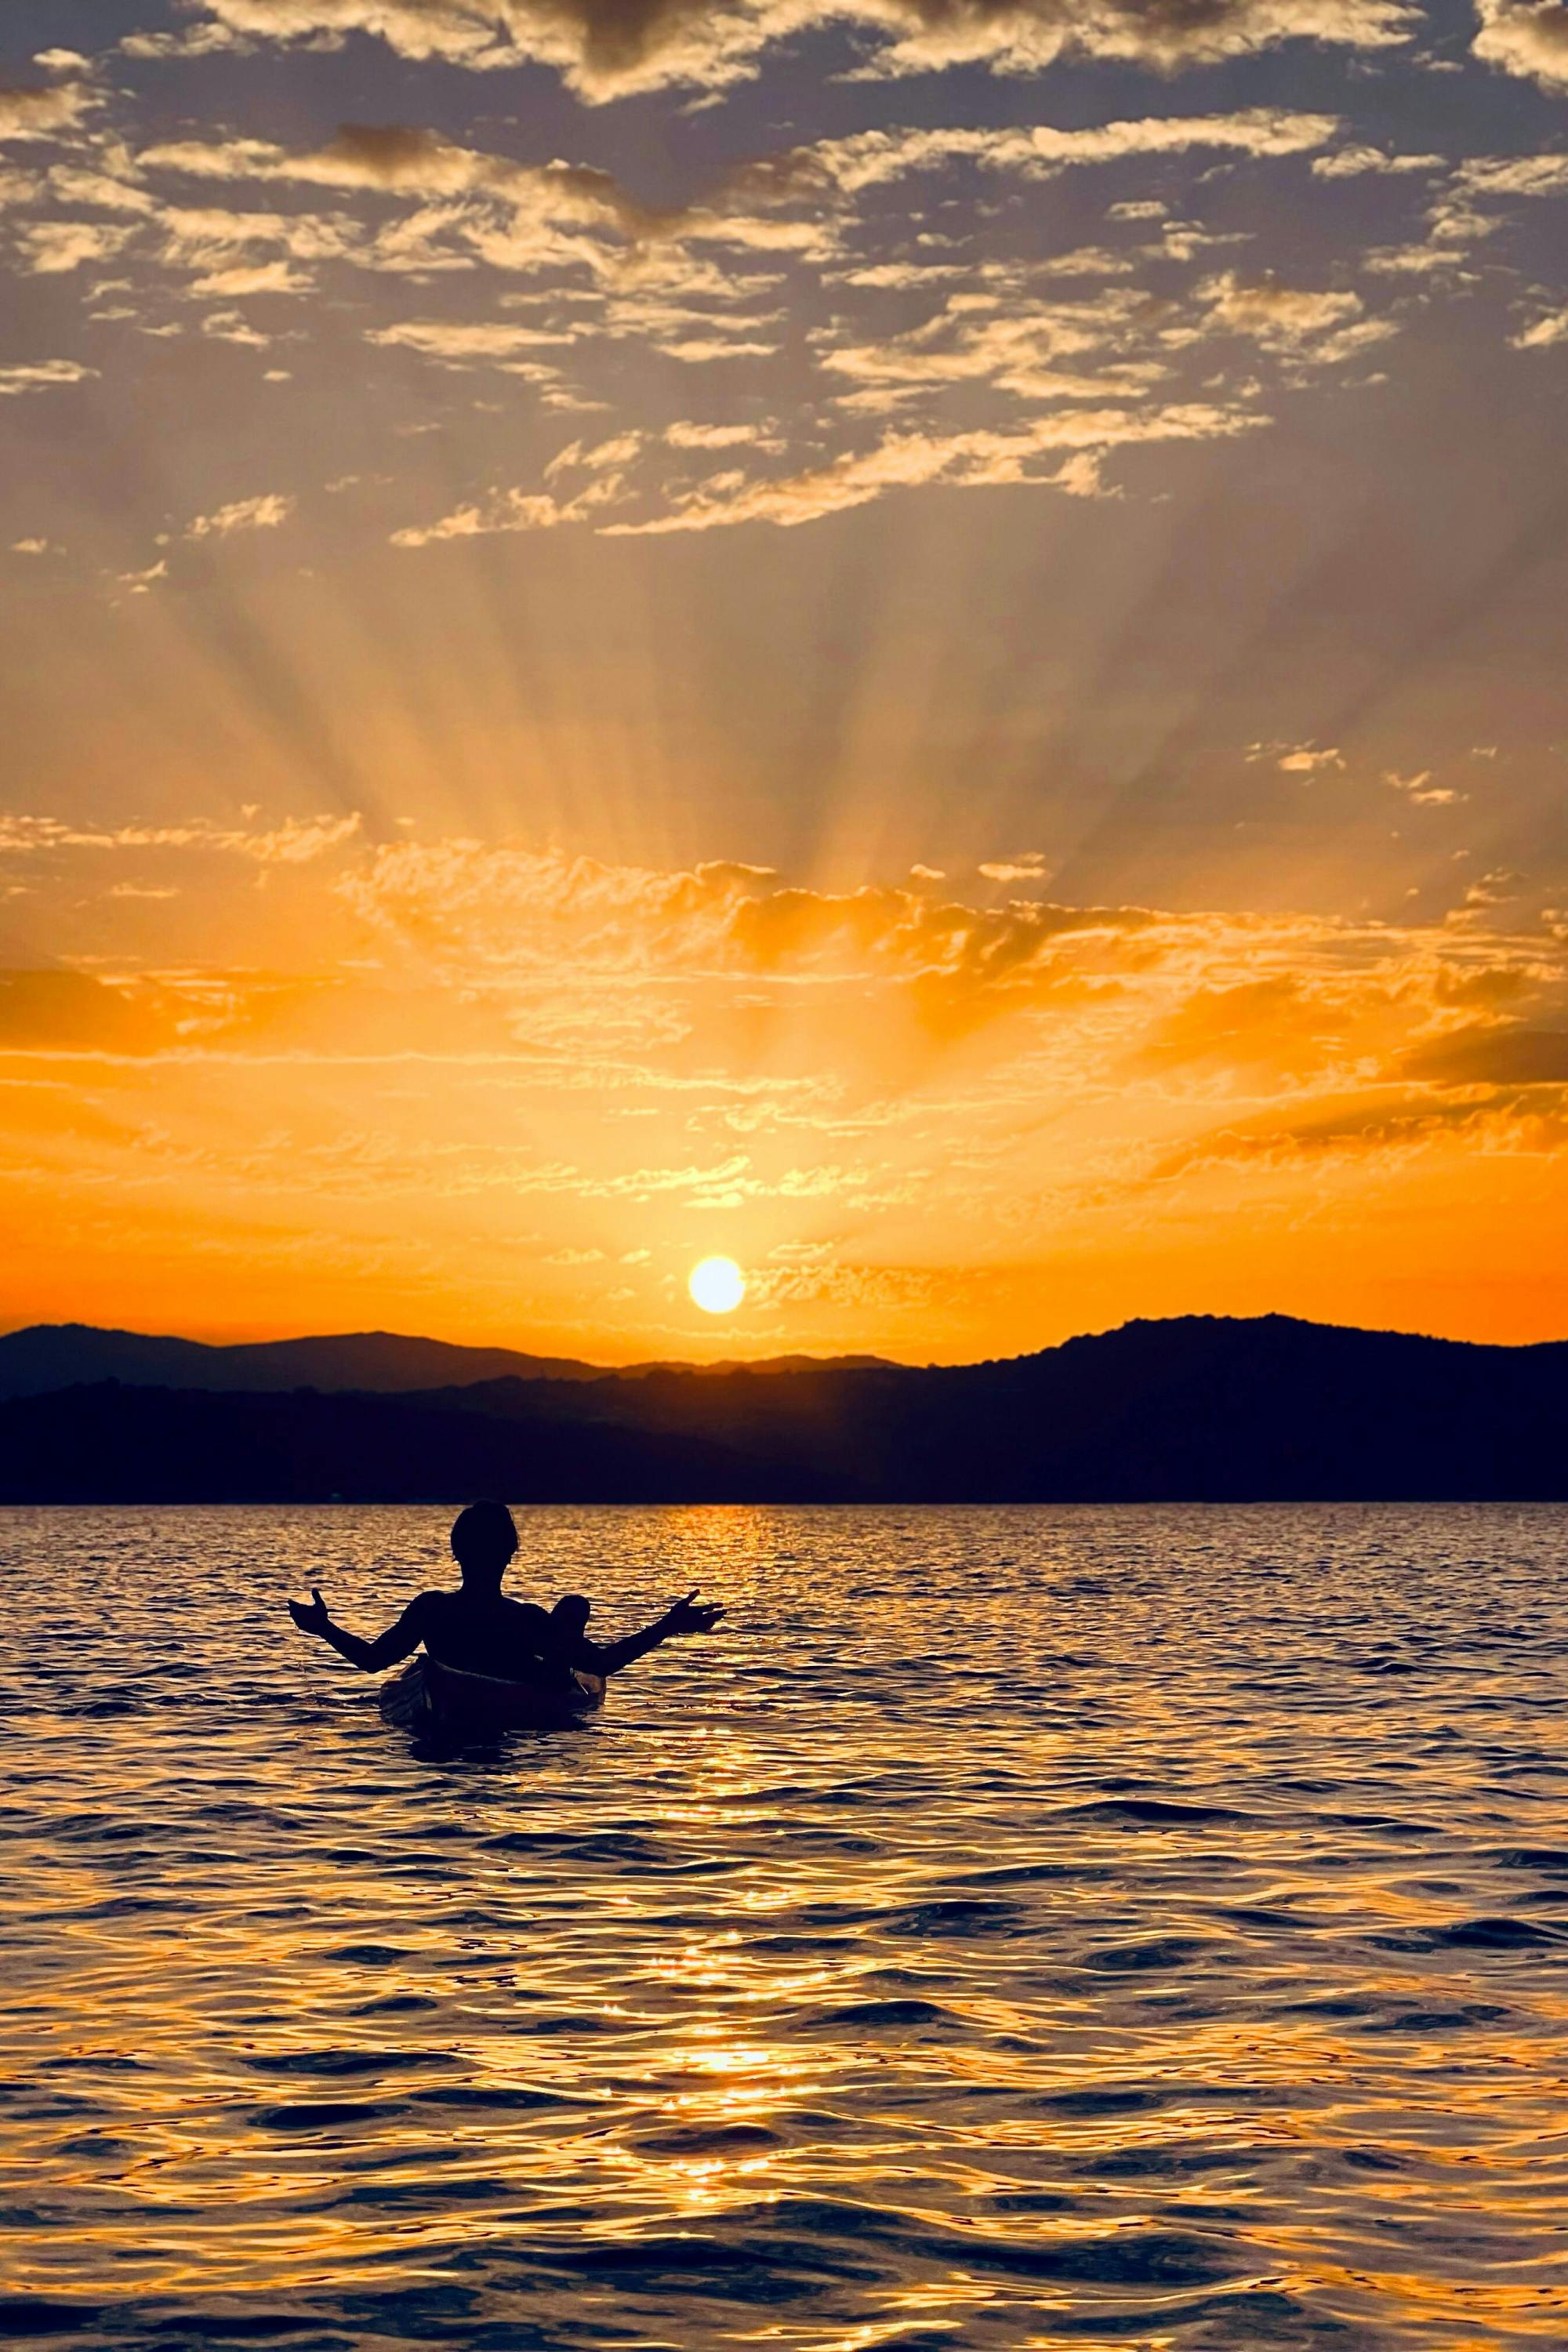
{"x":63,"y":1355}
{"x":49,"y":1356}
{"x":1195,"y":1409}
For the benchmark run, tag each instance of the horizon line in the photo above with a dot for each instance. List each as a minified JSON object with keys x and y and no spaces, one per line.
{"x":853,"y":1357}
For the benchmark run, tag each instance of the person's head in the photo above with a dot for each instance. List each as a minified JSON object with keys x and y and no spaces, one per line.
{"x":483,"y":1541}
{"x":571,"y":1613}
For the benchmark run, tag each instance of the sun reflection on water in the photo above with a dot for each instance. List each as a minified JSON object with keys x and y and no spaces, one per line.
{"x":950,"y":1953}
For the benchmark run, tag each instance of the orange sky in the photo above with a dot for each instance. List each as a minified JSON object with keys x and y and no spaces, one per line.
{"x":942,"y":673}
{"x":513,"y":1096}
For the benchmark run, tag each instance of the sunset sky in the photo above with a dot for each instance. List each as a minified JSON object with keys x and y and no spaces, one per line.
{"x":919,"y":644}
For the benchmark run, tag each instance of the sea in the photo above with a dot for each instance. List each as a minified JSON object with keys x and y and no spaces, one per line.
{"x":1143,"y":1929}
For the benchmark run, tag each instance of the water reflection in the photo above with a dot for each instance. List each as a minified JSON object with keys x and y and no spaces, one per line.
{"x":1137,"y":1927}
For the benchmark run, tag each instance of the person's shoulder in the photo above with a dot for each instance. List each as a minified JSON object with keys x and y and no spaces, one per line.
{"x":430,"y":1603}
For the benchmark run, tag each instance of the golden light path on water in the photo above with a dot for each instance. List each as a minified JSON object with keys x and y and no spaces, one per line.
{"x":1135,"y":1927}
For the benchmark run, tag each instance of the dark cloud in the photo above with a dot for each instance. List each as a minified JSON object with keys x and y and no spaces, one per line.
{"x":1386,"y":1122}
{"x":389,"y":152}
{"x":1275,"y":1022}
{"x":1489,"y":1055}
{"x":69,"y":1012}
{"x":1529,"y":39}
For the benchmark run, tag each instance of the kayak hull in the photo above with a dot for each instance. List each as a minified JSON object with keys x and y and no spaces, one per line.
{"x":429,"y":1696}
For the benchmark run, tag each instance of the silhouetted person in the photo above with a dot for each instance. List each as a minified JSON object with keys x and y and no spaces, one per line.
{"x":477,"y":1631}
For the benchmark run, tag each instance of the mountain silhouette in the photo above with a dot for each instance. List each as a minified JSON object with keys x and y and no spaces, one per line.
{"x":1194,"y":1408}
{"x":65,"y":1355}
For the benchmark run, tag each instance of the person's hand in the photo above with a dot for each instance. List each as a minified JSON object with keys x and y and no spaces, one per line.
{"x":691,"y":1615}
{"x":311,"y":1616}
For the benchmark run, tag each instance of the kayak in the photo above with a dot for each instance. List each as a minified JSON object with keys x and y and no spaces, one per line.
{"x":429,"y":1696}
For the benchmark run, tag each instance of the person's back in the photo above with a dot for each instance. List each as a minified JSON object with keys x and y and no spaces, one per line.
{"x":486,"y":1633}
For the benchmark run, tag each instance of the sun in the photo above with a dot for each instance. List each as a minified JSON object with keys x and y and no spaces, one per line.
{"x":718,"y":1285}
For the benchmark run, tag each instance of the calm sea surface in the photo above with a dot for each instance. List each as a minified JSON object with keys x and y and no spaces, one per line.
{"x":1095,"y":1927}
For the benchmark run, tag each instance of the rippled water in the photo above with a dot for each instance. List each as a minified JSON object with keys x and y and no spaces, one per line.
{"x":1134,"y":1928}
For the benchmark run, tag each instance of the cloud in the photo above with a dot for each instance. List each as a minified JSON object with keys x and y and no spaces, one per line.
{"x":871,"y":159}
{"x":45,"y":113}
{"x":725,"y":499}
{"x":502,"y":511}
{"x":1527,"y":37}
{"x":1493,"y":1055}
{"x":1290,"y":321}
{"x":409,"y":202}
{"x":696,"y":351}
{"x":513,"y":510}
{"x":686,"y":434}
{"x":1031,"y":867}
{"x":1420,"y":790}
{"x":849,"y":168}
{"x":1383,"y":1130}
{"x":1279,"y":1023}
{"x":296,"y":842}
{"x":66,"y":1012}
{"x":86,"y":183}
{"x":1117,"y":342}
{"x":1033,"y":350}
{"x":1412,"y":260}
{"x":1513,"y":175}
{"x":472,"y":206}
{"x":610,"y":48}
{"x":263,"y":513}
{"x":50,"y":248}
{"x":619,"y":450}
{"x":1199,"y":1007}
{"x":1457,"y":216}
{"x":506,"y":911}
{"x":233,"y":327}
{"x":400,"y":160}
{"x":912,"y":460}
{"x":209,"y":238}
{"x":41,"y":375}
{"x":1549,"y":327}
{"x":482,"y":343}
{"x":248,"y":279}
{"x":1167,"y":39}
{"x":1497,"y":889}
{"x":1354,"y":162}
{"x":191,"y":41}
{"x":653,"y":277}
{"x":1297,"y":758}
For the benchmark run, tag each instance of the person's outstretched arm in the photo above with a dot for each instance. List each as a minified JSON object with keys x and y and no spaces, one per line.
{"x":399,"y":1641}
{"x":688,"y":1616}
